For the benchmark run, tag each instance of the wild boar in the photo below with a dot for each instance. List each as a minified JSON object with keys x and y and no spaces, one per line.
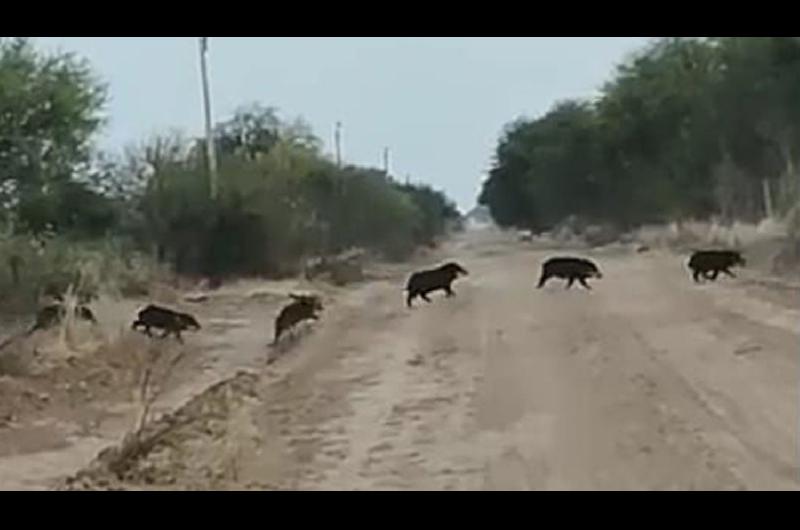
{"x":303,"y":307}
{"x":170,"y":321}
{"x":570,"y":269}
{"x":709,"y":263}
{"x":441,"y":278}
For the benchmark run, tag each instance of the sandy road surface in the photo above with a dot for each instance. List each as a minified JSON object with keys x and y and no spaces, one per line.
{"x":647,"y":382}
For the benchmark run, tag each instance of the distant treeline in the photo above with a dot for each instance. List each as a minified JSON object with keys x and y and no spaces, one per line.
{"x":280,"y":199}
{"x":686,"y":128}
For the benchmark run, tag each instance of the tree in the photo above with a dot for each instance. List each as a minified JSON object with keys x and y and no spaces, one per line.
{"x":684,"y":128}
{"x":435,"y":211}
{"x":758,"y":114}
{"x":545,"y":169}
{"x":279,"y":200}
{"x":50,"y":106}
{"x":254,"y":130}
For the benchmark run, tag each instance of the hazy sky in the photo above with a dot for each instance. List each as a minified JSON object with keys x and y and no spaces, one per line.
{"x":439,"y":103}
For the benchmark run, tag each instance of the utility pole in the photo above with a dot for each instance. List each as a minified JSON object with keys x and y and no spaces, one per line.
{"x":767,"y":192}
{"x":210,"y":144}
{"x":337,"y":138}
{"x":386,"y":161}
{"x":332,"y":246}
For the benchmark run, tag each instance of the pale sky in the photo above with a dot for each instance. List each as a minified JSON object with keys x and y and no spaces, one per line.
{"x":439,"y":103}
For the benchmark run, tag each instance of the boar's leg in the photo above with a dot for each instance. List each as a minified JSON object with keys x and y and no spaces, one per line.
{"x":570,"y":281}
{"x":542,"y":281}
{"x":727,"y":271}
{"x":449,"y":291}
{"x":582,"y":281}
{"x":425,"y":297}
{"x":696,"y":275}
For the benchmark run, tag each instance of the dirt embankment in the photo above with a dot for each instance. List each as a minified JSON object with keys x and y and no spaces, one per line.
{"x":68,"y":392}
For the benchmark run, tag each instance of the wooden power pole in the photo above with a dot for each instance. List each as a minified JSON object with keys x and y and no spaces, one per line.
{"x":337,"y":137}
{"x":210,"y":144}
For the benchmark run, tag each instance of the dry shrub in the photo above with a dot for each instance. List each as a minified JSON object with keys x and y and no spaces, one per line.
{"x":600,"y":235}
{"x":16,"y":361}
{"x":91,"y":267}
{"x":154,"y":368}
{"x":342,"y":269}
{"x":22,"y":354}
{"x":787,"y":260}
{"x":163,"y":448}
{"x":346,"y":272}
{"x":151,"y":368}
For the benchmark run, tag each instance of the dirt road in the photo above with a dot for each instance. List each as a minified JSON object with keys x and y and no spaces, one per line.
{"x":647,"y":382}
